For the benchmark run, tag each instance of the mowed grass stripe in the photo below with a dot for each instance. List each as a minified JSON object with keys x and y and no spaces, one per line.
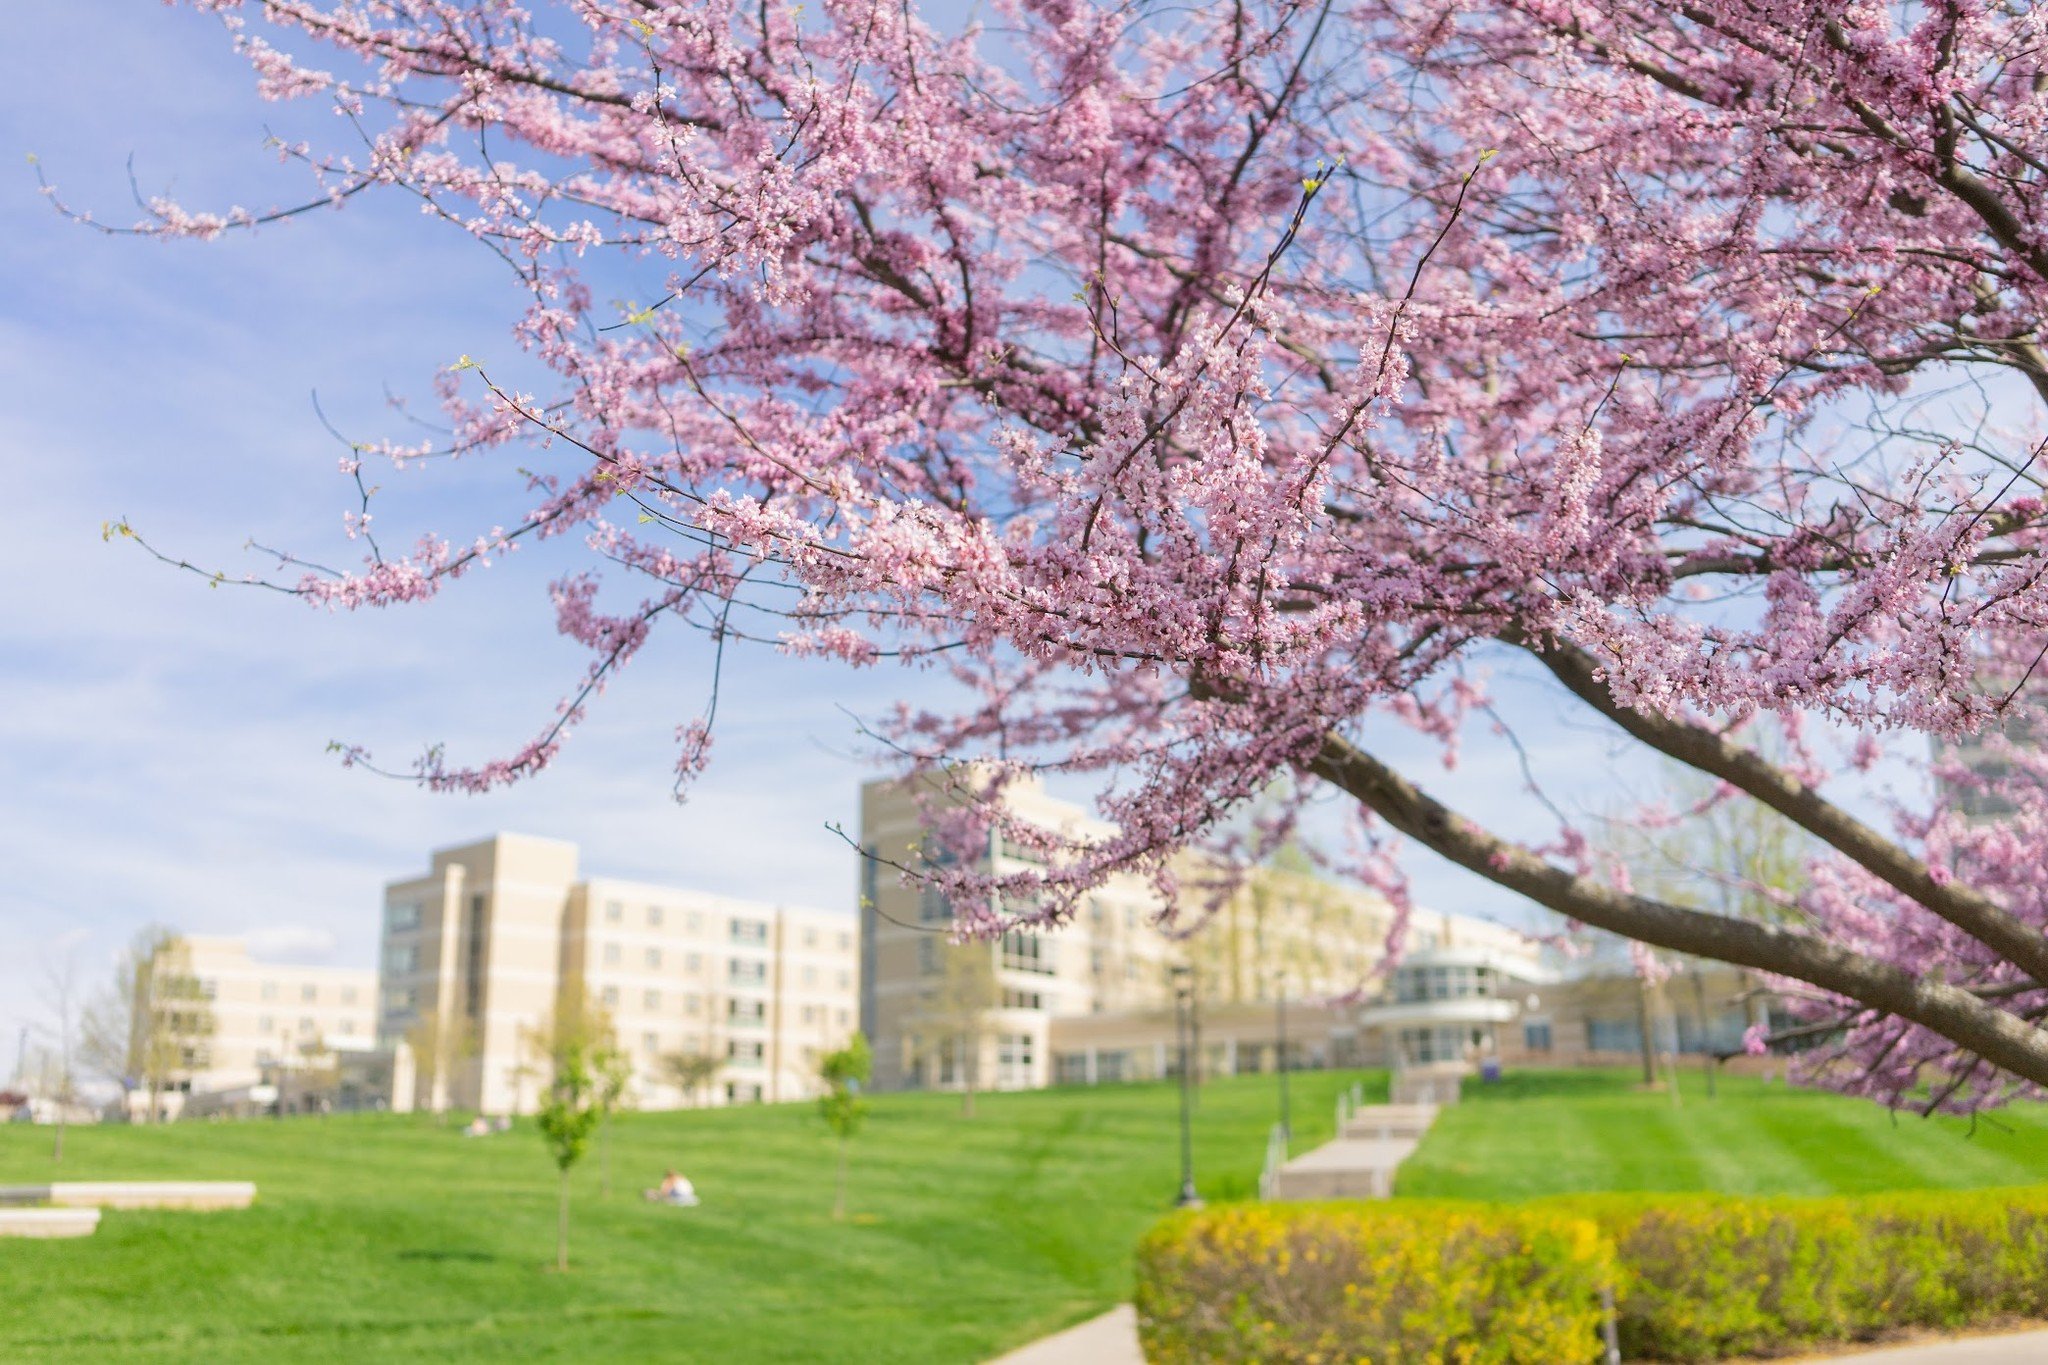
{"x":1542,"y":1133}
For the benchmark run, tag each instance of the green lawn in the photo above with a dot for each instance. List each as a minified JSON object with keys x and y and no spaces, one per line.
{"x":1541,"y":1133}
{"x":389,"y":1238}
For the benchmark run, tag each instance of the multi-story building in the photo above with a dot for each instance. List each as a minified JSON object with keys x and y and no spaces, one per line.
{"x":478,"y":952}
{"x":1095,"y":1000}
{"x":266,"y":1014}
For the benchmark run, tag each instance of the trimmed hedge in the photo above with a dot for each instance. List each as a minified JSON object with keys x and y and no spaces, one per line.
{"x":1393,"y":1284}
{"x":1696,"y":1277}
{"x":1705,"y":1276}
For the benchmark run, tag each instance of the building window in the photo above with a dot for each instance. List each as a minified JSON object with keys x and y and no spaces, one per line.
{"x":810,"y":976}
{"x":401,"y":915}
{"x":693,"y":962}
{"x":265,"y":1024}
{"x":745,"y":1051}
{"x":308,"y":993}
{"x":306,"y":1027}
{"x":650,"y":1001}
{"x":1013,"y":1061}
{"x":690,"y":1005}
{"x":650,"y":1043}
{"x":208,"y":987}
{"x":927,"y":957}
{"x":746,"y":972}
{"x":810,"y":1014}
{"x":269,"y":990}
{"x":1112,"y":1066}
{"x":611,"y":954}
{"x":1614,"y":1035}
{"x":691,"y":924}
{"x":654,"y":957}
{"x":348,"y":1028}
{"x":746,"y":1011}
{"x":399,"y":959}
{"x":1023,"y":1000}
{"x":1423,"y":1045}
{"x":810,"y":938}
{"x":1070,"y":1068}
{"x":614,"y":912}
{"x":844,"y":1019}
{"x":348,"y":995}
{"x":1536,"y":1035}
{"x":846,"y":981}
{"x":610,"y":997}
{"x":654,"y":917}
{"x":1024,"y":952}
{"x":845,"y":941}
{"x":742,"y":1092}
{"x":749,"y":931}
{"x":932,"y":907}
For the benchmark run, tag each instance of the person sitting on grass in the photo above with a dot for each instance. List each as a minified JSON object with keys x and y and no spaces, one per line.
{"x":674,"y":1189}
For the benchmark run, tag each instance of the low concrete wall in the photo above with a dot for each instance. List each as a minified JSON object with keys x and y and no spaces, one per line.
{"x":48,"y":1222}
{"x":134,"y":1194}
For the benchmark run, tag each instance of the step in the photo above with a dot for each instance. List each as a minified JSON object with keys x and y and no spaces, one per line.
{"x":49,"y":1222}
{"x":134,"y":1194}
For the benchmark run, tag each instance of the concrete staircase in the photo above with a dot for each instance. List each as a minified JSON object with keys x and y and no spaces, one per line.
{"x":1372,"y":1141}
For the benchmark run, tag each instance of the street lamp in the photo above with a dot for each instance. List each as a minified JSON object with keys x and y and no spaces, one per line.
{"x":1280,"y":1027}
{"x":1183,"y":997}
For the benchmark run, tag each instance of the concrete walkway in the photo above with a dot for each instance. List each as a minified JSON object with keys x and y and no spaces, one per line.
{"x":1360,"y":1162}
{"x":1112,"y":1339}
{"x":2018,"y":1348}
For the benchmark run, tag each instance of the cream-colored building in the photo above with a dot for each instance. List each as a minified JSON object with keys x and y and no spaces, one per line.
{"x":265,"y":1013}
{"x":1095,"y":1001}
{"x":483,"y":945}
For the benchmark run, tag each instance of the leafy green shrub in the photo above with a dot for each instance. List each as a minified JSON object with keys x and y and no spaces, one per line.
{"x":1396,"y":1284}
{"x":1697,"y":1277}
{"x":1705,"y":1276}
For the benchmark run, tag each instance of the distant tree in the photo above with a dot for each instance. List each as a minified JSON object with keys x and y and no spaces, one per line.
{"x":844,"y":1073}
{"x":952,"y":1018}
{"x":614,"y":1072}
{"x":568,"y":1115}
{"x":60,"y":991}
{"x":440,"y":1043}
{"x":689,"y":1072}
{"x":151,"y":1025}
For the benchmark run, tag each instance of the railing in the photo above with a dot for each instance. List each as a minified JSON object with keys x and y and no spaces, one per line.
{"x":1276,"y":1157}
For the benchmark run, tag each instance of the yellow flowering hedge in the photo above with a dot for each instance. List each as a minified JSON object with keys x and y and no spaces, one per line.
{"x":1696,"y":1277}
{"x":1709,"y":1276}
{"x":1398,"y":1283}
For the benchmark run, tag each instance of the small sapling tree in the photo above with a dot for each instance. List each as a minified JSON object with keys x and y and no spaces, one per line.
{"x":844,"y":1073}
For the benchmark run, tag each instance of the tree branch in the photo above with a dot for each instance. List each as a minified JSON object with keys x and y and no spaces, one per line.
{"x":1949,"y":1010}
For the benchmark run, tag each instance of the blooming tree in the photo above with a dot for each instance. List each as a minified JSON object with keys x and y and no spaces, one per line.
{"x":1212,"y":389}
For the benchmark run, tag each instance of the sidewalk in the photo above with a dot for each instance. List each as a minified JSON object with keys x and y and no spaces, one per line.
{"x":1112,"y":1339}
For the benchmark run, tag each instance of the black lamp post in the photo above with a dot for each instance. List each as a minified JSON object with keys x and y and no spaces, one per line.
{"x":1182,"y":1001}
{"x":1280,"y":1026}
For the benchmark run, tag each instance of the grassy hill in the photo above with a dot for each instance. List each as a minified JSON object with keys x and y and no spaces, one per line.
{"x":1562,"y":1132}
{"x":380,"y":1238}
{"x":391,"y":1238}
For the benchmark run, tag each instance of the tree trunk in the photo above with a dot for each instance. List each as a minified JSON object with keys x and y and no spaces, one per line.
{"x":839,"y":1184}
{"x":604,"y":1156}
{"x":970,"y":1064}
{"x":562,"y":1223}
{"x":57,"y":1152}
{"x":1643,"y":1023}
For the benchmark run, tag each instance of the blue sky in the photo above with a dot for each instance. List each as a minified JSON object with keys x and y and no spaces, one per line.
{"x":162,"y":745}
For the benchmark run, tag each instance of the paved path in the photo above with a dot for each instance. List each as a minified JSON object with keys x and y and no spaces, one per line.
{"x":1360,"y":1162}
{"x":1112,"y":1339}
{"x":2022,"y":1348}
